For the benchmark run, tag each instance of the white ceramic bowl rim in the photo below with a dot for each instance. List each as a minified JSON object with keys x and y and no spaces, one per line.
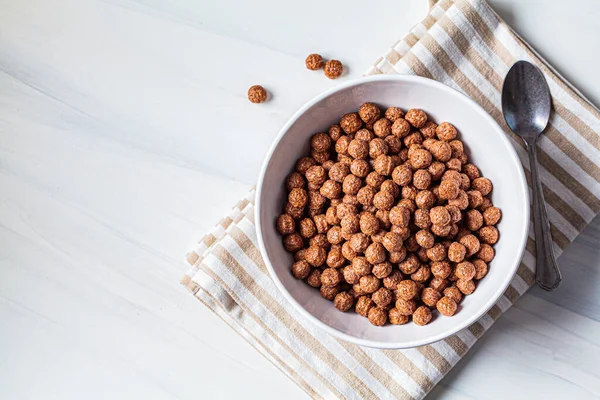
{"x":406,"y":344}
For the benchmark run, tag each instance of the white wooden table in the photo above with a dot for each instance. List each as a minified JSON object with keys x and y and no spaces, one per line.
{"x":125,"y":133}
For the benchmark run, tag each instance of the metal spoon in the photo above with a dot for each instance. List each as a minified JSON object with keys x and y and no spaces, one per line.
{"x":526,"y":106}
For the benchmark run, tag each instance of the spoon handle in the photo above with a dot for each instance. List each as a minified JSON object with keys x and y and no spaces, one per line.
{"x":547,"y":274}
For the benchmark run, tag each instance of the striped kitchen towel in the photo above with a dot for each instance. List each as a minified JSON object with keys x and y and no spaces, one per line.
{"x":463,"y":44}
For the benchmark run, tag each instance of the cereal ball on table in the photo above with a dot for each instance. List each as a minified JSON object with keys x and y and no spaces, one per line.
{"x":333,"y":69}
{"x":447,"y":306}
{"x":314,"y":62}
{"x":363,"y":305}
{"x":396,"y":318}
{"x":422,"y":316}
{"x":416,"y":117}
{"x":257,"y":94}
{"x":343,"y":301}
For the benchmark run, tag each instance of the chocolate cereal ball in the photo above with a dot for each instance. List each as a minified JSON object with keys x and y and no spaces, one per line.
{"x":294,"y":180}
{"x":377,"y":316}
{"x":320,"y":142}
{"x":439,"y":216}
{"x":486,"y":253}
{"x":338,"y":172}
{"x":396,"y":318}
{"x":382,"y":128}
{"x":375,"y":253}
{"x":383,"y":200}
{"x":298,"y":197}
{"x":392,"y":280}
{"x":316,"y":174}
{"x":430,"y":297}
{"x":441,"y":230}
{"x":333,"y":69}
{"x":457,"y":252}
{"x":474,"y":196}
{"x":314,"y":62}
{"x":441,"y":151}
{"x":350,"y":122}
{"x":449,"y":189}
{"x":369,"y":113}
{"x":369,"y":283}
{"x":425,"y":239}
{"x":331,"y":189}
{"x":382,"y":270}
{"x":422,"y":316}
{"x":300,"y":269}
{"x":341,"y":145}
{"x":471,"y":171}
{"x":461,"y":201}
{"x":293,"y":242}
{"x":446,"y":132}
{"x":484,"y":185}
{"x":314,"y":278}
{"x":351,"y":184}
{"x":316,"y":256}
{"x":428,"y":130}
{"x":391,"y":187}
{"x":406,"y":307}
{"x":358,"y":149}
{"x":402,"y":175}
{"x":453,"y":293}
{"x":350,"y":275}
{"x":393,"y":113}
{"x":361,"y":266}
{"x":407,"y":290}
{"x":465,"y":270}
{"x":257,"y":94}
{"x":422,"y":179}
{"x":447,"y":306}
{"x":285,"y":224}
{"x":465,"y":286}
{"x":360,"y":168}
{"x":439,"y":284}
{"x":471,"y":244}
{"x":364,"y":134}
{"x":335,"y":132}
{"x":347,"y":251}
{"x":401,"y":128}
{"x":400,"y":216}
{"x":306,"y":228}
{"x":383,"y":165}
{"x":343,"y":301}
{"x":330,"y":277}
{"x":292,"y":211}
{"x":363,"y":305}
{"x":377,"y":147}
{"x":420,"y":158}
{"x":359,"y":242}
{"x":481,"y":268}
{"x":382,"y":297}
{"x":416,"y":117}
{"x":436,"y":253}
{"x":492,"y":215}
{"x":329,"y":292}
{"x":488,"y":234}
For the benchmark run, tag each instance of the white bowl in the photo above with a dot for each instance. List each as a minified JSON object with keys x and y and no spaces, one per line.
{"x":487,"y":147}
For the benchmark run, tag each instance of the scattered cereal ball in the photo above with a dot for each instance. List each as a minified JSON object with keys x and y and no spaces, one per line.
{"x":338,"y":172}
{"x":257,"y":94}
{"x":383,"y":127}
{"x":465,"y":270}
{"x":285,"y":224}
{"x":407,"y":289}
{"x":416,"y":117}
{"x":425,"y":239}
{"x":393,"y":113}
{"x":456,"y":252}
{"x":402,"y":175}
{"x":481,"y":268}
{"x":406,"y":307}
{"x":333,"y":69}
{"x":350,"y":275}
{"x":314,"y":278}
{"x":392,"y":280}
{"x":420,"y":158}
{"x":461,"y":201}
{"x":293,"y":242}
{"x":474,"y":197}
{"x":350,"y":122}
{"x":330,"y":277}
{"x":396,"y":318}
{"x":301,"y":269}
{"x":377,"y":316}
{"x":363,"y":305}
{"x":335,"y":132}
{"x":314,"y":62}
{"x":453,"y":293}
{"x":488,"y":234}
{"x":343,"y":301}
{"x":471,"y":171}
{"x":382,"y":270}
{"x":375,"y":253}
{"x":465,"y":286}
{"x":492,"y":215}
{"x":383,"y":200}
{"x":439,"y":284}
{"x":331,"y":189}
{"x":400,"y":128}
{"x":316,"y":256}
{"x":329,"y":292}
{"x":422,"y":179}
{"x":294,"y":212}
{"x":361,"y":266}
{"x":382,"y":297}
{"x":446,"y":131}
{"x":369,"y":112}
{"x":439,"y":216}
{"x":484,"y":185}
{"x":369,"y":283}
{"x":358,"y":148}
{"x":377,"y":147}
{"x":447,"y":306}
{"x":369,"y":224}
{"x":430,"y":297}
{"x":360,"y":168}
{"x":471,"y":244}
{"x":294,"y":180}
{"x":422,"y":316}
